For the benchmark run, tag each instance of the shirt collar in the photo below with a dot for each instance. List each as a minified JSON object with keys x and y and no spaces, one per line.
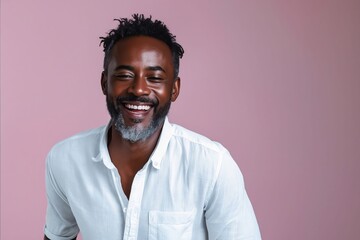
{"x":161,"y":146}
{"x":156,"y":156}
{"x":103,"y":149}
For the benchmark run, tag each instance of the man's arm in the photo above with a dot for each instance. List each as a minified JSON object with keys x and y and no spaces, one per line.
{"x":228,"y":212}
{"x":60,"y":220}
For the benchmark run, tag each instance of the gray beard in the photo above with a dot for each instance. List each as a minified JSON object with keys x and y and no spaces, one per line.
{"x":137,"y":133}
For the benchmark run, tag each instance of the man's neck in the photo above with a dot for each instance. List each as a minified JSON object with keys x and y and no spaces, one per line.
{"x":132,"y":155}
{"x":129,"y":157}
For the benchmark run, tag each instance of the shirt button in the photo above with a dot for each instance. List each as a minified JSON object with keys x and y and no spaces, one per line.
{"x":124,"y":209}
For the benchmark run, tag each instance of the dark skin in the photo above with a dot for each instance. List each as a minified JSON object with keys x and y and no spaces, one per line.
{"x":140,"y":66}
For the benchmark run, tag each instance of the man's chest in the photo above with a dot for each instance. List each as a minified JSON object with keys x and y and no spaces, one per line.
{"x":158,"y":205}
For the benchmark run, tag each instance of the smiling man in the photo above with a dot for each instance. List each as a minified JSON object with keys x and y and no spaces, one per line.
{"x":141,"y":177}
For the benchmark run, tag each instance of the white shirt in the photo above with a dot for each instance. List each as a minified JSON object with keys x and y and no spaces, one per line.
{"x":190,"y":188}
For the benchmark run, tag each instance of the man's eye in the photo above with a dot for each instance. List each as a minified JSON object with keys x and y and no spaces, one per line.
{"x":123,"y":76}
{"x":155,"y":79}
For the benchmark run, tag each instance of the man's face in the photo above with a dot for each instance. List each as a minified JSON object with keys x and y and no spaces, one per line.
{"x":139,"y":86}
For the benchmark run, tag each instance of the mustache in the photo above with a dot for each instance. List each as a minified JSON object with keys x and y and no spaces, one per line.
{"x":133,"y":98}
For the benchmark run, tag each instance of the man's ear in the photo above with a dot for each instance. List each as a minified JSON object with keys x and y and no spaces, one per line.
{"x":175,"y":90}
{"x":104,"y":82}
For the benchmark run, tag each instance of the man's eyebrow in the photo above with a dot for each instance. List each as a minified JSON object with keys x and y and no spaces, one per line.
{"x":126,"y":67}
{"x":155,"y":68}
{"x":130,"y":68}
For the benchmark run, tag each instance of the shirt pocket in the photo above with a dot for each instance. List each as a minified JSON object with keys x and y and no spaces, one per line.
{"x":171,"y":225}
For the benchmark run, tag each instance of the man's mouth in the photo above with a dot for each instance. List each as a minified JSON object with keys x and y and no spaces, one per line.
{"x":139,"y":107}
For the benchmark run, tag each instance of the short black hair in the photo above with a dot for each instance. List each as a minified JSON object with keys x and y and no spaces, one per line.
{"x":141,"y":26}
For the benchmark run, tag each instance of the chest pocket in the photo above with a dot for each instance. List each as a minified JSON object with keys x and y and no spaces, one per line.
{"x":171,"y":225}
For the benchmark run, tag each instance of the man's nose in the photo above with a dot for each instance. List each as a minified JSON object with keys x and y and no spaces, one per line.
{"x":139,"y":87}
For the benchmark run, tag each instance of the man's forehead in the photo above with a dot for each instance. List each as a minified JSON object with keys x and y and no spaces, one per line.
{"x":142,"y":42}
{"x":143,"y":49}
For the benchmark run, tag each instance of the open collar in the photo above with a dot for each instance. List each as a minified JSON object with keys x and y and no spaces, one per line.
{"x":156,"y":156}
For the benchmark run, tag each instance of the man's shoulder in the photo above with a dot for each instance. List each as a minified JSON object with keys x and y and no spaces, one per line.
{"x":189,"y":137}
{"x":83,"y":138}
{"x":199,"y":153}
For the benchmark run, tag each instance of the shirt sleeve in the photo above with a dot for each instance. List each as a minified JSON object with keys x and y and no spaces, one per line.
{"x":229,"y":214}
{"x":60,"y":221}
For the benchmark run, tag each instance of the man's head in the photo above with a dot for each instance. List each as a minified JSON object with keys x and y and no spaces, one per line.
{"x":140,"y":77}
{"x":141,"y":26}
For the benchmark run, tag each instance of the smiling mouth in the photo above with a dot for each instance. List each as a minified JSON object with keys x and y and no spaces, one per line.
{"x":138,"y":107}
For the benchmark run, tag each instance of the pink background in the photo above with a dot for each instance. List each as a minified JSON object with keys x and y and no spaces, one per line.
{"x":277,"y":82}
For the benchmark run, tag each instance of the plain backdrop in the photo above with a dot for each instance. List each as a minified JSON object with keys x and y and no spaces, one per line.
{"x":276,"y":82}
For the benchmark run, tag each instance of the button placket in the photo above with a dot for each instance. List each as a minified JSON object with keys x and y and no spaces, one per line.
{"x":134,"y":205}
{"x":117,"y":184}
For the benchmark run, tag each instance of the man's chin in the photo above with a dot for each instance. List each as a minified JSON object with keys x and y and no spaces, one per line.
{"x":135,"y":133}
{"x":137,"y":123}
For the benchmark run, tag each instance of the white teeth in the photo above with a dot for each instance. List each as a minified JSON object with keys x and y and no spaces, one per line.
{"x":137,"y":107}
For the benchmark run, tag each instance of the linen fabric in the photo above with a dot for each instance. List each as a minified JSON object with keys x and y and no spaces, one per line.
{"x":190,"y":188}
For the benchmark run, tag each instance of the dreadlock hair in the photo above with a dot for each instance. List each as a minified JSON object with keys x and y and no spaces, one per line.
{"x":141,"y":26}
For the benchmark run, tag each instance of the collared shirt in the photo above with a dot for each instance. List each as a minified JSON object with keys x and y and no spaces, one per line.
{"x":190,"y":188}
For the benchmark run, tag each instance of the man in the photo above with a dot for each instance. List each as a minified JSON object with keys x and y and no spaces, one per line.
{"x":141,"y":177}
